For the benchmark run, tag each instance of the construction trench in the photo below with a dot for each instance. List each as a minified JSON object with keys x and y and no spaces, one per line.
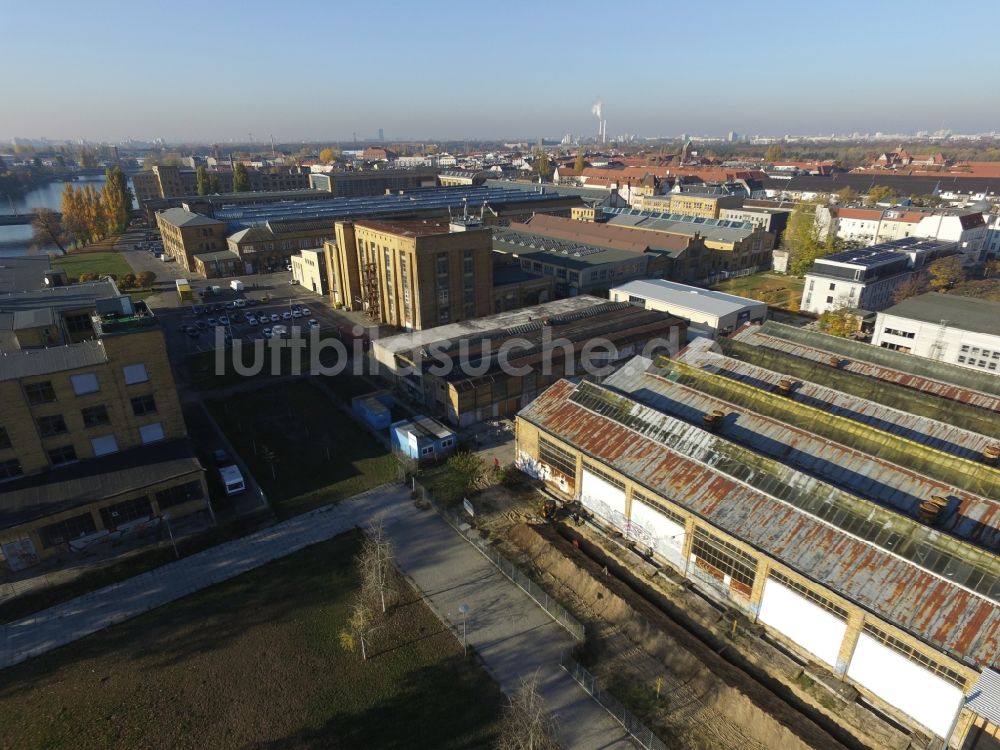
{"x":717,"y":679}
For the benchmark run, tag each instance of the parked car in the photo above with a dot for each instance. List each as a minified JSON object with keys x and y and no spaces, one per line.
{"x":221,"y":457}
{"x":296,"y":313}
{"x":213,"y":322}
{"x":240,"y":303}
{"x":223,"y":320}
{"x":313,"y":323}
{"x":230,"y":305}
{"x":251,"y":302}
{"x":267,"y":333}
{"x":275,"y":318}
{"x":251,"y":319}
{"x":286,"y":315}
{"x":293,"y":282}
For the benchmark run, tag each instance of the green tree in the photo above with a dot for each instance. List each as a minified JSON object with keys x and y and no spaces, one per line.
{"x":128,"y":281}
{"x":945,"y":272}
{"x":927,"y":201}
{"x":801,"y":241}
{"x":88,"y":157}
{"x":881,"y":194}
{"x":202,"y":181}
{"x":464,"y":474}
{"x":542,"y":165}
{"x":47,"y":228}
{"x":774,"y":153}
{"x":214,"y":185}
{"x":241,"y":178}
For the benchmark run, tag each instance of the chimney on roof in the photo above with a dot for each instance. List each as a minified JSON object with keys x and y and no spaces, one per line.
{"x":991,"y":453}
{"x":931,"y":509}
{"x":713,"y":420}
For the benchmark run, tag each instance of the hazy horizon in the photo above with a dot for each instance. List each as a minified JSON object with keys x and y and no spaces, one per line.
{"x":314,"y":72}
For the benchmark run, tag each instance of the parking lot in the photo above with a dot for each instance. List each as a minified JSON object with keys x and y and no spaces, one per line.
{"x":191,"y":327}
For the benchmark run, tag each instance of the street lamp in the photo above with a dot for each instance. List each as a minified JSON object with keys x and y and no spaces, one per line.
{"x":464,"y":610}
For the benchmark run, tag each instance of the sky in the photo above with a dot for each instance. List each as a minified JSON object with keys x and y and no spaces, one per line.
{"x":220,"y":70}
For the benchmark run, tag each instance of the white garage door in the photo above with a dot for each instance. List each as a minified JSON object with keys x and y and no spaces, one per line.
{"x":652,"y":528}
{"x":910,"y":687}
{"x":602,"y":496}
{"x":814,"y":628}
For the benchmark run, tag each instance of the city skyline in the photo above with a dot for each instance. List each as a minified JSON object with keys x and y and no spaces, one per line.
{"x":224,"y":71}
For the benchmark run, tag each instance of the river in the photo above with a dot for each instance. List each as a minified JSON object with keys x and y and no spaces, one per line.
{"x":16,"y":240}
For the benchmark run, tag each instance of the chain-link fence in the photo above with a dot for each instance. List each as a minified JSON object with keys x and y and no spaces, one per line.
{"x":639,"y":731}
{"x":541,"y":597}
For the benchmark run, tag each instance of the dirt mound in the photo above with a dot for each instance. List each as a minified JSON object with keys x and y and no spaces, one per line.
{"x":711,"y":702}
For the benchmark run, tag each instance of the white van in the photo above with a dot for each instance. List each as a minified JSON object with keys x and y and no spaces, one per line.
{"x":232,"y":480}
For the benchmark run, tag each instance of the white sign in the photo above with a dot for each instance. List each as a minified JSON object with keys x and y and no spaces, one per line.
{"x":467,"y":504}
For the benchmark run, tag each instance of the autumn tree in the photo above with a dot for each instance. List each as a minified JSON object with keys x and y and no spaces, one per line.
{"x":241,"y":178}
{"x":145,"y":279}
{"x":846,"y":195}
{"x":95,"y":215}
{"x":945,"y":272}
{"x":801,"y":239}
{"x":73,"y":214}
{"x":47,"y":229}
{"x":916,"y":284}
{"x":840,"y":322}
{"x":87,"y":157}
{"x":326,"y":155}
{"x":542,"y":165}
{"x":774,"y":153}
{"x":580,"y":162}
{"x":117,"y":200}
{"x":881,"y":194}
{"x":362,"y":624}
{"x":526,"y":723}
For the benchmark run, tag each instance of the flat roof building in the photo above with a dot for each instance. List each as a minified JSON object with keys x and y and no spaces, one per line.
{"x":491,"y":367}
{"x":945,"y":327}
{"x":705,"y":311}
{"x":92,"y":440}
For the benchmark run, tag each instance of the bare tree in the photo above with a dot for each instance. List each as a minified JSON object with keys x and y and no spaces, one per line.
{"x":376,"y":567}
{"x":526,"y":723}
{"x":361,"y":626}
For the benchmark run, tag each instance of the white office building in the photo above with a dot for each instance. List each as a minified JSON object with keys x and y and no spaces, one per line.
{"x":958,"y":330}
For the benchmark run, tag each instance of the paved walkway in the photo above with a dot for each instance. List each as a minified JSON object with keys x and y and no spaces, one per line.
{"x":514,"y":637}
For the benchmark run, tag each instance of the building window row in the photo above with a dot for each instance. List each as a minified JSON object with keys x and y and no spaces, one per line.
{"x":809,"y":594}
{"x":64,"y":531}
{"x":40,"y":393}
{"x":915,"y":656}
{"x":724,"y":557}
{"x":10,"y":469}
{"x":668,"y":512}
{"x":179,"y":494}
{"x":53,"y":424}
{"x":125,"y":511}
{"x":903,"y":334}
{"x":609,"y":478}
{"x":144,"y":404}
{"x":557,"y":458}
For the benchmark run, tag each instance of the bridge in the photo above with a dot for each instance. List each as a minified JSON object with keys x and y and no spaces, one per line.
{"x":13,"y":220}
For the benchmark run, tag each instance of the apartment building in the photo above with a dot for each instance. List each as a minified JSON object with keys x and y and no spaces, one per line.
{"x":704,"y":204}
{"x":868,"y":278}
{"x":92,"y":440}
{"x":411,"y":273}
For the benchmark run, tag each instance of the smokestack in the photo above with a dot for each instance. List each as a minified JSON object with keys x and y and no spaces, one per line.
{"x":597,"y":110}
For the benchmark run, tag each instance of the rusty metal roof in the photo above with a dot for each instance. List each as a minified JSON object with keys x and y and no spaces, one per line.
{"x":860,"y":361}
{"x":930,"y":432}
{"x":807,"y":524}
{"x":968,"y":516}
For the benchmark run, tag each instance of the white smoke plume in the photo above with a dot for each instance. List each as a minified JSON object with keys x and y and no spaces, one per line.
{"x":597,"y":108}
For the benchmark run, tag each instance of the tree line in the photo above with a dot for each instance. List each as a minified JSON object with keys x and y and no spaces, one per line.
{"x":88,"y":215}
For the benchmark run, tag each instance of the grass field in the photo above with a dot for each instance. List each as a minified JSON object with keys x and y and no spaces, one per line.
{"x":777,"y":290}
{"x":321,"y":454}
{"x":255,"y":663}
{"x":86,"y":262}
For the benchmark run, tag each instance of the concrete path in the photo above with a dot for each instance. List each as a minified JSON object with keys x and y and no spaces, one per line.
{"x":514,"y":637}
